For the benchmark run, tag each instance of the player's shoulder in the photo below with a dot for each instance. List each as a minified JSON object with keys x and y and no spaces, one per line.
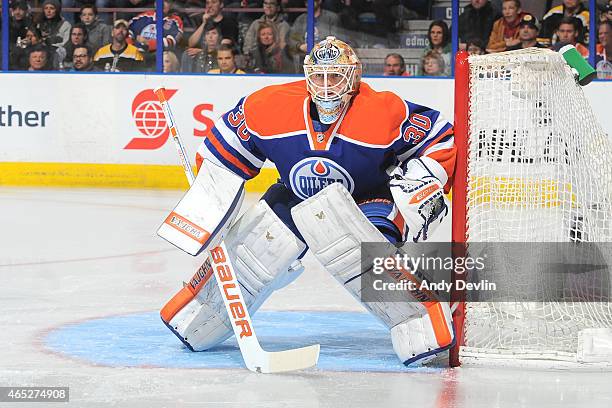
{"x":374,"y":117}
{"x":385,"y":105}
{"x":276,"y":109}
{"x":271,"y":94}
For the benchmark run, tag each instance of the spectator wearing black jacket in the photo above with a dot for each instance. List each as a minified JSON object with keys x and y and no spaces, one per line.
{"x":213,"y":15}
{"x":270,"y":56}
{"x":54,"y":28}
{"x":20,"y":20}
{"x":82,"y":56}
{"x":19,"y":57}
{"x":477,"y":21}
{"x":39,"y":59}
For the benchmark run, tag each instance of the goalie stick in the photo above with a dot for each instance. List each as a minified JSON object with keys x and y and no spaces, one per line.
{"x":254,"y":356}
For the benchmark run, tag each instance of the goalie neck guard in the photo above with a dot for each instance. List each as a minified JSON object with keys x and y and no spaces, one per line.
{"x":333,"y":73}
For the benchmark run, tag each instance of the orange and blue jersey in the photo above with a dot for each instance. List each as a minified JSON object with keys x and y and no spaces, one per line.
{"x":378,"y":130}
{"x":144,"y":25}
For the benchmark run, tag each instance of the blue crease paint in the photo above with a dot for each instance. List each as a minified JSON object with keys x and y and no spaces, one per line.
{"x":350,"y":341}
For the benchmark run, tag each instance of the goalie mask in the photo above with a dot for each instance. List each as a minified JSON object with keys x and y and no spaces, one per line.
{"x":333,"y":72}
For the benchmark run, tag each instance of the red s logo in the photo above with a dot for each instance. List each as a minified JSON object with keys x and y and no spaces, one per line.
{"x":150,"y":121}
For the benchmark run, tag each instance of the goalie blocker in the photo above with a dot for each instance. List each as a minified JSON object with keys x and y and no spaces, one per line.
{"x":200,"y":220}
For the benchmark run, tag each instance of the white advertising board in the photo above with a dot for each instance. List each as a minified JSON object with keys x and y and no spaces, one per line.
{"x":115,"y":119}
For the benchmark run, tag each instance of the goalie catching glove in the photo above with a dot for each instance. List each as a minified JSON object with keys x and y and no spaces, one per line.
{"x":417,"y":188}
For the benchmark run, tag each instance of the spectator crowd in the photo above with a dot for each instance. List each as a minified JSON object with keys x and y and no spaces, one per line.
{"x":270,"y":36}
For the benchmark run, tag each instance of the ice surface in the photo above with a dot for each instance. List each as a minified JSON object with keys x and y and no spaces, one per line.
{"x":70,"y":256}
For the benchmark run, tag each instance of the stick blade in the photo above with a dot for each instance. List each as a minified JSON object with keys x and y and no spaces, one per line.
{"x":288,"y":360}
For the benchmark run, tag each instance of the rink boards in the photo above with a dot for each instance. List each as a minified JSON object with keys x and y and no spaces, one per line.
{"x":109,"y":131}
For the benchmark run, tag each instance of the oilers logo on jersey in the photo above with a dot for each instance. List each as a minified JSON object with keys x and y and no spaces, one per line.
{"x":311,"y":175}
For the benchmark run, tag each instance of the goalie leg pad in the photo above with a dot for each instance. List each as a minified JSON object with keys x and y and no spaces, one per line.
{"x":264,"y":252}
{"x":333,"y":228}
{"x":431,"y":331}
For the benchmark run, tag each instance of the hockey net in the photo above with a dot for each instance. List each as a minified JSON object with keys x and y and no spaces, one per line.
{"x":534,"y":166}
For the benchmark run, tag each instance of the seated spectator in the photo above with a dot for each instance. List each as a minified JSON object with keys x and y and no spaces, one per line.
{"x":386,"y":17}
{"x":142,"y":30}
{"x":439,"y":41}
{"x":19,"y":58}
{"x":286,"y":4}
{"x":528,"y":34}
{"x":432,"y":64}
{"x":505,"y":30}
{"x":171,"y":62}
{"x":20,"y":20}
{"x":475,"y":47}
{"x":272,"y":15}
{"x":269,"y":56}
{"x":226,"y":61}
{"x":552,"y":20}
{"x":82,"y":58}
{"x":78,"y":36}
{"x":326,"y":23}
{"x":606,"y":12}
{"x":212,"y":14}
{"x":603,"y":59}
{"x":131,"y":4}
{"x":72,"y":17}
{"x":98,"y":33}
{"x":477,"y":21}
{"x":38,"y":59}
{"x":568,"y":33}
{"x":18,"y":55}
{"x":203,"y":58}
{"x":395,"y":65}
{"x":54,"y":28}
{"x":119,"y":56}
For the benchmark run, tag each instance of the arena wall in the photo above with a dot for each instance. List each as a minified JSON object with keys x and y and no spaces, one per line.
{"x":108,"y":131}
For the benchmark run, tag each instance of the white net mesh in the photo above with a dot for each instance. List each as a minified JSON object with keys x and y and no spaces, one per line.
{"x":539,"y":170}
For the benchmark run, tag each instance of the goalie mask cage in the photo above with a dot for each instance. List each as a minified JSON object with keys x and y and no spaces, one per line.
{"x":533,"y":165}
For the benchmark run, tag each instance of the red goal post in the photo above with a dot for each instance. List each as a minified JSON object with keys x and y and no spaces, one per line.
{"x":462,"y":74}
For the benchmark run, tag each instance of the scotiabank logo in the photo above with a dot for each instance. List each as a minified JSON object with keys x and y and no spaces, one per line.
{"x":151,"y":123}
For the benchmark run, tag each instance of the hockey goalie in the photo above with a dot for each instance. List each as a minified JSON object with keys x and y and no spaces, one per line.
{"x":355,"y":165}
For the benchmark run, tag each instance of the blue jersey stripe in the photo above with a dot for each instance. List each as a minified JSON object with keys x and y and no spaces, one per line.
{"x":225,"y":162}
{"x":233,"y":151}
{"x":433,"y":139}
